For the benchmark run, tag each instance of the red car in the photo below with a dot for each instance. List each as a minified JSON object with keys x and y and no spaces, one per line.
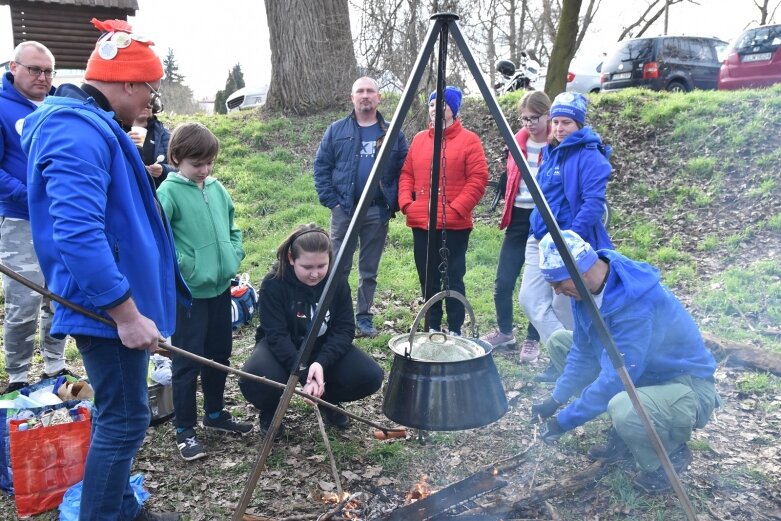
{"x":753,"y":59}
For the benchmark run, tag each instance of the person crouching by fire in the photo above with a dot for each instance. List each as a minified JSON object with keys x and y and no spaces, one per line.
{"x":337,"y":371}
{"x":662,"y":349}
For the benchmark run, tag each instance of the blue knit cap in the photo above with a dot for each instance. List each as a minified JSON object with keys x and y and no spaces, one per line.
{"x":570,"y":105}
{"x":552,"y":265}
{"x":452,"y":98}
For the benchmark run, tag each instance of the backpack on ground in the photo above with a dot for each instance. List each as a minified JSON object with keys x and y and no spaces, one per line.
{"x":244,"y":301}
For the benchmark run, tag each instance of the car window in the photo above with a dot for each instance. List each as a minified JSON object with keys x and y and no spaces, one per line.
{"x":761,"y":39}
{"x":631,"y":50}
{"x":721,"y":50}
{"x":701,"y":50}
{"x":676,"y":49}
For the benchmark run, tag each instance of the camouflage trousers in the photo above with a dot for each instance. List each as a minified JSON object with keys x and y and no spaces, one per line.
{"x":24,"y":307}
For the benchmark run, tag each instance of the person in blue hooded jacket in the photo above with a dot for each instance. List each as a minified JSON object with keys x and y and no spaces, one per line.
{"x":573,"y":178}
{"x":103,"y":244}
{"x":662,"y":350}
{"x":24,"y":88}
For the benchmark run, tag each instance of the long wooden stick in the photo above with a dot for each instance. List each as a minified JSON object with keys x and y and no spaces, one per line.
{"x":5,"y":270}
{"x":327,"y":444}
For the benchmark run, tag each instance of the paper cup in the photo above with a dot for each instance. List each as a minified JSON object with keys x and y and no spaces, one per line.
{"x":141,"y":131}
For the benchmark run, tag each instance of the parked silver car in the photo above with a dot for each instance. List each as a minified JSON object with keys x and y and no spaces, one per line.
{"x":584,"y":76}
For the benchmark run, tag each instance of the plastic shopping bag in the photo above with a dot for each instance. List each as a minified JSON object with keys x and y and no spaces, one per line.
{"x":46,"y":461}
{"x":71,"y":501}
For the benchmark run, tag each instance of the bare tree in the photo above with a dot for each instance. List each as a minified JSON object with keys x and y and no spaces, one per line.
{"x":766,"y":15}
{"x":563,"y":47}
{"x":312,"y":57}
{"x":652,"y":13}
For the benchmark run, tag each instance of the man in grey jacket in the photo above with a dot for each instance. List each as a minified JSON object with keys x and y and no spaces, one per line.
{"x":342,"y":166}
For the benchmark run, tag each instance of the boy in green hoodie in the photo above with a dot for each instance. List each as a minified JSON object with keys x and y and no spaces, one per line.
{"x":208,"y":249}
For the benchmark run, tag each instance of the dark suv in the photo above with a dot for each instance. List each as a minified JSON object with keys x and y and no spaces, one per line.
{"x":674,"y":63}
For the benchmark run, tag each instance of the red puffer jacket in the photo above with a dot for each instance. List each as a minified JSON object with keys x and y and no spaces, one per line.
{"x":465,"y":173}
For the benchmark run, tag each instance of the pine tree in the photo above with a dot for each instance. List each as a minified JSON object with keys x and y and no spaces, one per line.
{"x":234,"y":82}
{"x":171,"y":69}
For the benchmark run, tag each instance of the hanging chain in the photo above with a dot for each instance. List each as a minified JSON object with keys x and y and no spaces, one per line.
{"x":444,"y":252}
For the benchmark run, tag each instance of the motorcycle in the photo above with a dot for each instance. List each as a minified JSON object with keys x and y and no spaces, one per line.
{"x":515,"y":78}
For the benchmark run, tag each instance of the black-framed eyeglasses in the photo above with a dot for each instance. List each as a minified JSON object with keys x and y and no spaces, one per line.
{"x":35,"y":72}
{"x":157,"y":99}
{"x":531,"y":120}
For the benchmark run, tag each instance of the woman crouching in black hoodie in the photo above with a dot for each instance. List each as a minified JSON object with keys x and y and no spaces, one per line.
{"x":336,"y":371}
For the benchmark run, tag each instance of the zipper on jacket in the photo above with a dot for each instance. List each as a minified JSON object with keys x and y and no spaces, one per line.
{"x":205,"y":197}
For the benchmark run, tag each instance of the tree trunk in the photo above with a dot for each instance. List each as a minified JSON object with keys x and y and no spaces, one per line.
{"x":312,"y":58}
{"x":563,"y":48}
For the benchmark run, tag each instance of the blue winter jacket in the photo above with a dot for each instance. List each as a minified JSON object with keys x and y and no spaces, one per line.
{"x":336,"y":166}
{"x":13,"y":162}
{"x":97,"y":228}
{"x":573,"y":178}
{"x":655,"y":335}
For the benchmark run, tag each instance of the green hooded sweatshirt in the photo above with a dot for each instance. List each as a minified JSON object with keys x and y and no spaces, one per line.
{"x":208,"y":244}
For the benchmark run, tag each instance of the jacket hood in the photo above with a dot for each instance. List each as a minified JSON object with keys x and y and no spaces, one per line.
{"x":66,"y":95}
{"x":629,"y":280}
{"x":174,"y":178}
{"x":584,"y":137}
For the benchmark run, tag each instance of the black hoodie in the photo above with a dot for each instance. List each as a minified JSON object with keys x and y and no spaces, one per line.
{"x":286,"y":307}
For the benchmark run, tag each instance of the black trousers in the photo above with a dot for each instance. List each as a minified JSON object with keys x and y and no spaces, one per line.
{"x":205,"y":330}
{"x":457,"y":243}
{"x":352,"y":377}
{"x":511,"y":260}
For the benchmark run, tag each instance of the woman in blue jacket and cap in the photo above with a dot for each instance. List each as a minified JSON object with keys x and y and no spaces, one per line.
{"x":573,"y":178}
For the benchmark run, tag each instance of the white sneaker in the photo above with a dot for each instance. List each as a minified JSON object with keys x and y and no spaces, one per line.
{"x":499,"y":340}
{"x":530,"y":350}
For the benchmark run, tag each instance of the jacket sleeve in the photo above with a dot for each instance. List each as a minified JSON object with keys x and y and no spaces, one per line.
{"x":273,"y":310}
{"x":325,"y":162}
{"x":476,"y":175}
{"x":391,"y":182}
{"x":407,"y":178}
{"x":593,"y":174}
{"x":235,"y":233}
{"x":11,"y":188}
{"x":632,"y":335}
{"x":77,"y":177}
{"x":171,"y":211}
{"x":341,"y":328}
{"x":165,"y":138}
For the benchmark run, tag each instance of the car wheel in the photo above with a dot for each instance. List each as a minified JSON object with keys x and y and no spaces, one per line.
{"x":676,"y":86}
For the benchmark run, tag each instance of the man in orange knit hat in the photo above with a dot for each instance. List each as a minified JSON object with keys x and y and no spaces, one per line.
{"x":103,"y":244}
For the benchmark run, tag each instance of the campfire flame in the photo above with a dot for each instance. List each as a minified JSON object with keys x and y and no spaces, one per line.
{"x":352,"y":509}
{"x":332,"y":498}
{"x":419,"y":490}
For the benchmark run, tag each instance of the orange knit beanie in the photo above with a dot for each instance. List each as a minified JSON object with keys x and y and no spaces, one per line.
{"x":121,"y":56}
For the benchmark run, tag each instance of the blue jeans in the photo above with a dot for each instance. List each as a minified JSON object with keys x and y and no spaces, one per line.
{"x":121,"y":416}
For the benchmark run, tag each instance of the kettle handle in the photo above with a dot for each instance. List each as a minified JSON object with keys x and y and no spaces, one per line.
{"x":430,"y":302}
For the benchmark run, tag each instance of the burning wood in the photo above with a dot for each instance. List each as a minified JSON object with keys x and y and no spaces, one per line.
{"x":419,"y":490}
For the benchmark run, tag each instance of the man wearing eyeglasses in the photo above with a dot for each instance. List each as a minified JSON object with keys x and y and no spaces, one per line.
{"x":24,"y":89}
{"x":103,"y":244}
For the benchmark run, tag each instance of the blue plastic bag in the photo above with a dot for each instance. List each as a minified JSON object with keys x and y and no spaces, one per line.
{"x":71,"y":501}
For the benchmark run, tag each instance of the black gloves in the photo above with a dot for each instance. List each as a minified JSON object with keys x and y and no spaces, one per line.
{"x":551,"y":431}
{"x":544,"y":410}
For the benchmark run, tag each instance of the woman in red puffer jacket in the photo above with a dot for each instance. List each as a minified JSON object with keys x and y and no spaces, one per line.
{"x":463,"y":179}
